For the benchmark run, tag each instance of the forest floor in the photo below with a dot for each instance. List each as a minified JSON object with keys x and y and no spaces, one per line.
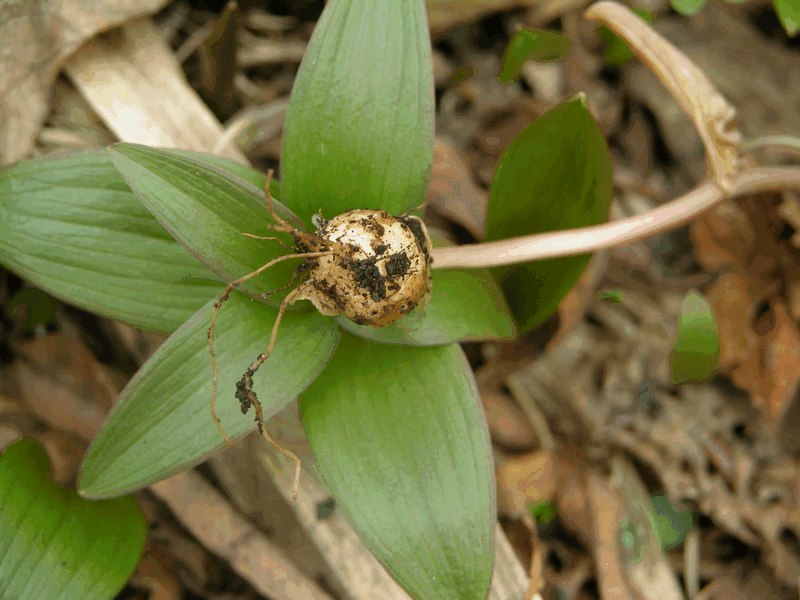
{"x":585,"y":423}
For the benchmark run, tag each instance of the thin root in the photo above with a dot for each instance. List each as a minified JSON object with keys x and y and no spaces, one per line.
{"x":213,"y":325}
{"x":247,"y":396}
{"x":281,"y":224}
{"x":268,"y":238}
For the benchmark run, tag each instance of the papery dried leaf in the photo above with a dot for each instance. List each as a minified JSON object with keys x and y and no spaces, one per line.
{"x":133,"y":82}
{"x":713,"y":116}
{"x":37,"y":38}
{"x":771,"y":374}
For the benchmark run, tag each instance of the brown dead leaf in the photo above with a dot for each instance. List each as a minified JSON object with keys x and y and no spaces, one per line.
{"x":125,"y":76}
{"x":525,"y":480}
{"x":732,"y":304}
{"x":155,"y":573}
{"x":789,"y":210}
{"x":37,"y":38}
{"x":444,"y":15}
{"x":508,"y":425}
{"x":453,"y":193}
{"x":755,"y":298}
{"x":63,"y":384}
{"x":771,"y":373}
{"x":223,"y":530}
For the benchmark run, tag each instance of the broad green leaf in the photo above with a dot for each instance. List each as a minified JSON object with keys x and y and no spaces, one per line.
{"x":556,"y":174}
{"x":464,"y":305}
{"x":248,"y":174}
{"x":402,"y":444}
{"x":695,"y":356}
{"x":359,"y":130}
{"x":687,"y":7}
{"x":162,"y":424}
{"x":70,"y":225}
{"x":532,"y":44}
{"x":55,"y":545}
{"x":788,"y":12}
{"x":616,"y":52}
{"x":207,"y":209}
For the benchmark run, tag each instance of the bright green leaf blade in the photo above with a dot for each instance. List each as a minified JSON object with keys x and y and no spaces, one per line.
{"x":465,"y":305}
{"x":696,"y":353}
{"x":788,"y":12}
{"x":556,"y":174}
{"x":687,"y":7}
{"x":162,"y":423}
{"x":248,"y":174}
{"x":532,"y":44}
{"x":70,"y":225}
{"x":359,"y":130}
{"x":206,"y":209}
{"x":55,"y":545}
{"x":402,"y":444}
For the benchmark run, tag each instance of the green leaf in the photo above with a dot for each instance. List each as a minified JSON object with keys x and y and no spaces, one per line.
{"x":359,"y":130}
{"x":687,"y":7}
{"x":465,"y":305}
{"x":532,"y":44}
{"x":161,"y":423}
{"x":402,"y":444}
{"x":616,"y":52}
{"x":670,"y":523}
{"x":556,"y":174}
{"x":788,"y":12}
{"x":70,"y":225}
{"x":55,"y":545}
{"x":696,"y":353}
{"x":206,"y":209}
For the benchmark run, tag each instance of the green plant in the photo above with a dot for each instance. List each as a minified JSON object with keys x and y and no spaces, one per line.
{"x":54,"y":544}
{"x":152,"y":237}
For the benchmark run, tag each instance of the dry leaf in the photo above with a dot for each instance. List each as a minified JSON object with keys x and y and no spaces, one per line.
{"x":37,"y":37}
{"x":453,"y":193}
{"x":212,"y":520}
{"x":713,"y":116}
{"x":771,"y":373}
{"x":508,"y":425}
{"x":732,"y":304}
{"x":444,"y":15}
{"x":754,"y":298}
{"x":525,"y":480}
{"x":131,"y":79}
{"x":64,"y":385}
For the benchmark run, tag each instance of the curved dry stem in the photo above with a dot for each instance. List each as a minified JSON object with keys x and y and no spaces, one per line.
{"x":713,"y":116}
{"x":582,"y":240}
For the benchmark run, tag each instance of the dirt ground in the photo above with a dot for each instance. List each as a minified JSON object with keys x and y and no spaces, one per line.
{"x":584,"y":419}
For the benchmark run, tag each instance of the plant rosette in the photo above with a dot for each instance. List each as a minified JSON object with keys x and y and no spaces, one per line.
{"x":387,"y":398}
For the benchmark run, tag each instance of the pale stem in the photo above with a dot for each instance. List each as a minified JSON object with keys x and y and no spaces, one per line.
{"x":582,"y":240}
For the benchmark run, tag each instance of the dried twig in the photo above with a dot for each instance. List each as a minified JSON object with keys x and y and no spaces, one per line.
{"x":222,"y":529}
{"x":581,"y":240}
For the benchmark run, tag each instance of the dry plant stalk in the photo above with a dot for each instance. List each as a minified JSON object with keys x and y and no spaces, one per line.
{"x":714,"y":119}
